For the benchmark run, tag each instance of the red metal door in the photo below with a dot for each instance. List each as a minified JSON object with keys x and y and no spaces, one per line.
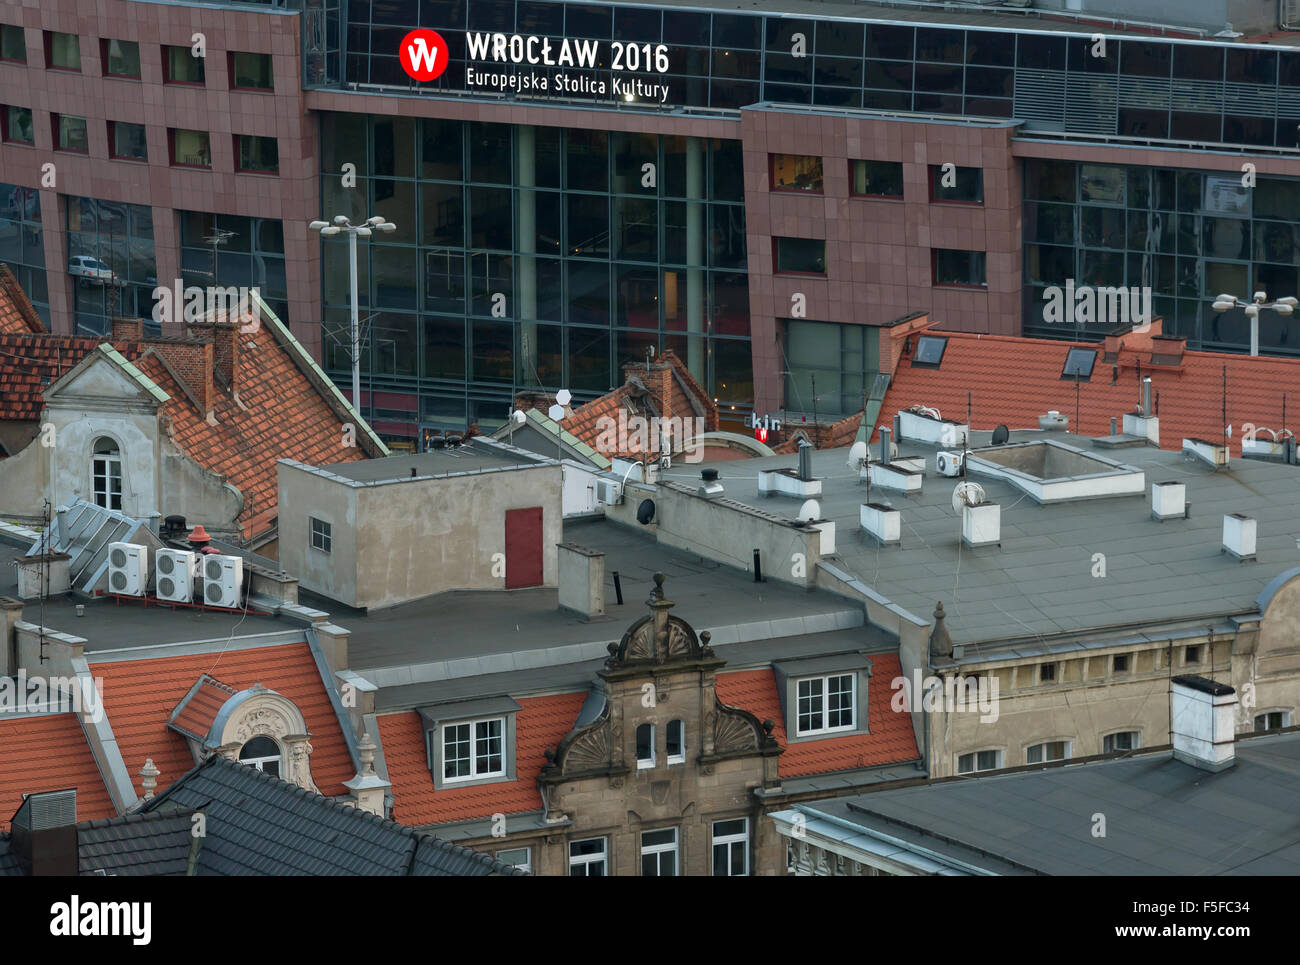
{"x":523,"y":547}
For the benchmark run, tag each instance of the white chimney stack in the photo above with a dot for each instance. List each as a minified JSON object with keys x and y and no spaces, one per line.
{"x":1203,"y":715}
{"x":1239,"y":536}
{"x":1168,"y":500}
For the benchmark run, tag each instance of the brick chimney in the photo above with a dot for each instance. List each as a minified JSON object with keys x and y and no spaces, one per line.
{"x":192,"y":362}
{"x":225,"y":350}
{"x":128,"y":329}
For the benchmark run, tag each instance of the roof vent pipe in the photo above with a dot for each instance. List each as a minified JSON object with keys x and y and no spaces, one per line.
{"x":1146,"y":397}
{"x":805,"y":460}
{"x":884,"y":445}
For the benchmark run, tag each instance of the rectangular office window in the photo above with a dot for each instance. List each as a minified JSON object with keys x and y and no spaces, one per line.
{"x":321,"y":535}
{"x":805,"y":256}
{"x":731,"y":848}
{"x":1047,"y":673}
{"x":1049,"y":751}
{"x":121,"y":58}
{"x":1128,"y":740}
{"x":961,"y":269}
{"x":521,"y":858}
{"x":877,"y":179}
{"x":181,"y":66}
{"x":587,"y":858}
{"x":17,"y":127}
{"x":190,"y":149}
{"x":62,"y":51}
{"x":956,"y":185}
{"x":659,"y":853}
{"x":13,"y":46}
{"x":826,"y":704}
{"x":1120,"y":663}
{"x":251,"y":71}
{"x":70,"y":134}
{"x":979,"y":761}
{"x":257,"y":155}
{"x":127,"y":141}
{"x":796,"y":172}
{"x":473,"y":749}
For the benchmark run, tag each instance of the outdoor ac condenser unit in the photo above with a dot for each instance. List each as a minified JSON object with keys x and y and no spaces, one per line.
{"x":128,"y":568}
{"x":174,"y":572}
{"x":223,"y":578}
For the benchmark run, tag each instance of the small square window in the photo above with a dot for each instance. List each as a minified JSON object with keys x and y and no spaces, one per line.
{"x":1128,"y":740}
{"x":796,"y":172}
{"x":956,"y":185}
{"x":127,"y":141}
{"x":13,"y":47}
{"x":62,"y":51}
{"x":731,"y":848}
{"x":1120,"y":663}
{"x":182,"y":66}
{"x":1050,"y":751}
{"x":1192,"y":655}
{"x":587,"y":858}
{"x":321,"y":535}
{"x":251,"y":71}
{"x":190,"y":149}
{"x":17,"y":127}
{"x":1079,"y":363}
{"x":121,"y":58}
{"x":1046,"y":673}
{"x":802,"y":256}
{"x":959,"y":269}
{"x":473,"y":749}
{"x":70,"y":134}
{"x":929,"y":351}
{"x":659,"y":853}
{"x":1273,"y":720}
{"x":979,"y":761}
{"x":825,"y":704}
{"x":877,"y":179}
{"x":256,"y":155}
{"x":521,"y":858}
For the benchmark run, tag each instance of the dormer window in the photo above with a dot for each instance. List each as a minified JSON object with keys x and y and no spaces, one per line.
{"x":262,"y":753}
{"x":473,"y":749}
{"x":106,"y":474}
{"x":826,"y":704}
{"x":471,"y":741}
{"x":824,"y":696}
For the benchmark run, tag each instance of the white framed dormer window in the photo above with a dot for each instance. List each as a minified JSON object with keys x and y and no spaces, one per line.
{"x":587,"y":858}
{"x":322,"y":536}
{"x":731,"y":848}
{"x":645,"y":746}
{"x":106,"y":473}
{"x":262,"y":753}
{"x":826,"y":704}
{"x":521,"y":858}
{"x":1047,"y":751}
{"x":979,"y":761}
{"x":1272,"y":720}
{"x":1125,"y":740}
{"x":659,"y":853}
{"x":473,"y":749}
{"x":676,"y":748}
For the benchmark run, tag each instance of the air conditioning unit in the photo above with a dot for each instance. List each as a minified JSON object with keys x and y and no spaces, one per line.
{"x":609,"y":491}
{"x":948,"y":463}
{"x":128,"y":569}
{"x":174,"y":572}
{"x":223,"y":578}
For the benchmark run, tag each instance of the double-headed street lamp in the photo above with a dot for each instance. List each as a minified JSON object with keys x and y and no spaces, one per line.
{"x":364,"y":230}
{"x":1283,"y":306}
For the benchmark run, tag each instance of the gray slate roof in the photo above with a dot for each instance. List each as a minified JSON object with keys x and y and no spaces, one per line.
{"x":1163,"y":817}
{"x":153,"y":843}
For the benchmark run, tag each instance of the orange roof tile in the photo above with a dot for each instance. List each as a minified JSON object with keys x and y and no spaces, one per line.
{"x":17,"y":316}
{"x":1015,"y":380}
{"x":542,"y":722}
{"x":890,"y":740}
{"x":833,"y":436}
{"x":140,"y":695}
{"x":202,"y":706}
{"x":28,"y":359}
{"x":49,"y":753}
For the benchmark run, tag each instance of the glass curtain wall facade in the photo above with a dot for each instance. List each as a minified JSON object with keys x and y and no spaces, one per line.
{"x":111,"y":262}
{"x":251,"y":255}
{"x":530,"y":257}
{"x":1188,"y":235}
{"x":22,"y":246}
{"x":1138,"y":87}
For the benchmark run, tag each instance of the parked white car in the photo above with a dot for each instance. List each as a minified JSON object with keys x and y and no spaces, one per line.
{"x":91,"y":269}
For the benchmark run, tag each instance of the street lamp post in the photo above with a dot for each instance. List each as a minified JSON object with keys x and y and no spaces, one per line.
{"x":364,"y":230}
{"x":1283,"y":306}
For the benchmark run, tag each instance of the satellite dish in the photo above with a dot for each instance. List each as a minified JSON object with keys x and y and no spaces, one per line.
{"x":518,"y":416}
{"x":645,"y":512}
{"x":1000,"y":435}
{"x":564,"y":397}
{"x":966,"y":494}
{"x":556,"y":412}
{"x":857,"y":455}
{"x":810,"y":511}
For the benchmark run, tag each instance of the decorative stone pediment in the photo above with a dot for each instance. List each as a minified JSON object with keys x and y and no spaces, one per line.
{"x":658,"y":638}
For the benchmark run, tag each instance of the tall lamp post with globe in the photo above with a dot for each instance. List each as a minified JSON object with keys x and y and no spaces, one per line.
{"x":1283,"y":306}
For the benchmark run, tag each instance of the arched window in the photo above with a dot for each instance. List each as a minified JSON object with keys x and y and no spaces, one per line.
{"x":262,"y":753}
{"x":106,"y":474}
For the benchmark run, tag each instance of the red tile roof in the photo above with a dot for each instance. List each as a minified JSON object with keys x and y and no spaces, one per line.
{"x":16,"y":312}
{"x":542,"y":722}
{"x":28,"y":359}
{"x":1015,"y":380}
{"x":49,"y":753}
{"x":201,"y":708}
{"x":890,"y":741}
{"x":140,"y":695}
{"x":833,"y":436}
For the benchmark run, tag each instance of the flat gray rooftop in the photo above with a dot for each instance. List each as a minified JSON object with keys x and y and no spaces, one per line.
{"x":474,"y":456}
{"x":465,"y":633}
{"x":1163,"y":817}
{"x":1040,"y":581}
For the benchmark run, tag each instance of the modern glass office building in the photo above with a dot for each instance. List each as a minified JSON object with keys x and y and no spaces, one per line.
{"x":763,"y":192}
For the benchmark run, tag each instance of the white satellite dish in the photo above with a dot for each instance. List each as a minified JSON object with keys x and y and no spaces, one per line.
{"x":564,"y":397}
{"x":556,"y":412}
{"x":810,"y":511}
{"x":857,"y":455}
{"x":966,"y":494}
{"x":518,"y":416}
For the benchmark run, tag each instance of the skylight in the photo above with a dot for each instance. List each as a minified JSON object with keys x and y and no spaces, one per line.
{"x":1079,"y":363}
{"x":929,"y":351}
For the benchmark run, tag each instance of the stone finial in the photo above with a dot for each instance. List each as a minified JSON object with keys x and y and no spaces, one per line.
{"x":149,"y":778}
{"x":366,"y":749}
{"x":940,"y":641}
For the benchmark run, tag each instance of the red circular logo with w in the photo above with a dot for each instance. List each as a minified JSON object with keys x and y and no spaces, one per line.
{"x":423,"y":54}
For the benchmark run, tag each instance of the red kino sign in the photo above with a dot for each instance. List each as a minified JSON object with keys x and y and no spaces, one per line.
{"x":423,"y":54}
